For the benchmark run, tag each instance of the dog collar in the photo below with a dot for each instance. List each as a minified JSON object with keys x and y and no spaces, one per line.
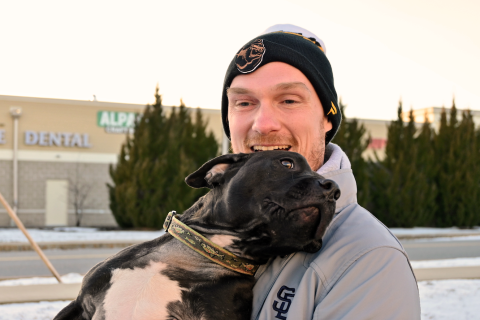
{"x":205,"y":247}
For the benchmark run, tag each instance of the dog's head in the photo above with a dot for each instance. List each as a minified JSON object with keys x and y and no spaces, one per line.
{"x":270,"y":203}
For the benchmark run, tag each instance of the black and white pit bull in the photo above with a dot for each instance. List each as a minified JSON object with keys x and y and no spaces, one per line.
{"x":260,"y":205}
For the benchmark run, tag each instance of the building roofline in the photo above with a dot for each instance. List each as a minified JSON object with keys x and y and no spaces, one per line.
{"x":87,"y":102}
{"x":473,"y":111}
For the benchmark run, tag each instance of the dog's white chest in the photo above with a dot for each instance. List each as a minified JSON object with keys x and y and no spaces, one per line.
{"x":140,"y":294}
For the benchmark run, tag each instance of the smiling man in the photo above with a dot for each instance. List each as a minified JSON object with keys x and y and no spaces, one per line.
{"x":279,"y":94}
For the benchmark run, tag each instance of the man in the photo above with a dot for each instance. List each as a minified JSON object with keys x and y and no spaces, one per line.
{"x":279,"y":94}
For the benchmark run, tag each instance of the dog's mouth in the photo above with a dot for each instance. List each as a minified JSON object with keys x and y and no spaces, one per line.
{"x":268,"y":148}
{"x":310,"y":216}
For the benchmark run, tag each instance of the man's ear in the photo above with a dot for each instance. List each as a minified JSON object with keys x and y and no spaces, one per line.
{"x":213,"y":170}
{"x":327,"y":124}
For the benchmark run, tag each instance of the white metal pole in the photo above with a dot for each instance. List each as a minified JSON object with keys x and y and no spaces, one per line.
{"x":16,"y":112}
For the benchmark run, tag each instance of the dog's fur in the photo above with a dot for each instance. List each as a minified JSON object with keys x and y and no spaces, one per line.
{"x":257,"y":208}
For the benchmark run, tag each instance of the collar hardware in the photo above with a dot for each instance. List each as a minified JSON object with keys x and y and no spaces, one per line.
{"x":205,"y":247}
{"x":168,"y":220}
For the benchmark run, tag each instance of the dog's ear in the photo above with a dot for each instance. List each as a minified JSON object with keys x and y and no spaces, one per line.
{"x":213,"y":170}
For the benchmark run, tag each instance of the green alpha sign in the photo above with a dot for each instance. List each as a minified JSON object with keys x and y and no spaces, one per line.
{"x":115,"y":121}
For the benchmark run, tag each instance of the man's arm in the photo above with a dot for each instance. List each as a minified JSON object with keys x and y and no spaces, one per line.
{"x":379,"y":285}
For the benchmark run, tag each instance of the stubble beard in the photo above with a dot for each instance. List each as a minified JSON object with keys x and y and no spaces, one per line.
{"x":317,"y":155}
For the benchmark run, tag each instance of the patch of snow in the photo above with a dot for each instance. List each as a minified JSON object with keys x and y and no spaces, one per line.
{"x":64,"y":234}
{"x":450,"y":299}
{"x":44,"y":310}
{"x":446,"y":263}
{"x":433,"y":231}
{"x":79,"y":234}
{"x":75,"y":229}
{"x":68,"y":278}
{"x":440,"y":300}
{"x":457,"y":238}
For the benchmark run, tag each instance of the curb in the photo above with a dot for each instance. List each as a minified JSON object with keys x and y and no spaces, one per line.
{"x":39,"y":292}
{"x":25,"y":246}
{"x":425,"y":274}
{"x":430,"y":236}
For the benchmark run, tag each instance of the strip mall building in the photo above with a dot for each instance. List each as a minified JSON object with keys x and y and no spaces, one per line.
{"x":55,"y":154}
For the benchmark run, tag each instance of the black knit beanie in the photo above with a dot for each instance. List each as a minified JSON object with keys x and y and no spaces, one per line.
{"x":305,"y":54}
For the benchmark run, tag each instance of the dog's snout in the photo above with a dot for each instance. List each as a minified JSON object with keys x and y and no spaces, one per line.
{"x":331,"y":189}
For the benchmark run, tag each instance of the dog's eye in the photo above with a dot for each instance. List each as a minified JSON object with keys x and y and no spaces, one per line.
{"x":287,"y":163}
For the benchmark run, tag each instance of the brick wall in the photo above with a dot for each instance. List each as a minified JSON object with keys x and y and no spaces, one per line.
{"x":32,"y":183}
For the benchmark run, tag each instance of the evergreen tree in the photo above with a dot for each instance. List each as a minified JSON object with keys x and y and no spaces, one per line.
{"x":427,"y":165}
{"x":457,"y":152}
{"x":148,"y":180}
{"x":402,"y":191}
{"x":353,"y":139}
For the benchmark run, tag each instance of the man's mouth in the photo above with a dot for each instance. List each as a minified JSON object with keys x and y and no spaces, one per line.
{"x":267,"y":148}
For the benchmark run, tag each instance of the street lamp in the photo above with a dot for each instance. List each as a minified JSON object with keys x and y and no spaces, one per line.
{"x":16,"y":112}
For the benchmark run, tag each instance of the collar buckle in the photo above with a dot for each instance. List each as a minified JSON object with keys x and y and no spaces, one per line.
{"x":168,"y":220}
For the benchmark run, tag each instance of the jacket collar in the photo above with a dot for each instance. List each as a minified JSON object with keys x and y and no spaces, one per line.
{"x":337,"y":167}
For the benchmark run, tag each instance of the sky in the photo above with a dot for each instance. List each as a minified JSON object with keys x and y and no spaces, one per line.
{"x":424,"y":52}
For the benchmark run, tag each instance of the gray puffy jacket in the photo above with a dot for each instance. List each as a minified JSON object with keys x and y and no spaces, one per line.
{"x":361,"y":272}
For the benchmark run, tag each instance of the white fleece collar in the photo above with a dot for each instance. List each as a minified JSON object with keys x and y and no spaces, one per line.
{"x":335,"y":159}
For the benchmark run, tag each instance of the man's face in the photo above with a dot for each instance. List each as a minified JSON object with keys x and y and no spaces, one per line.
{"x":276,"y":107}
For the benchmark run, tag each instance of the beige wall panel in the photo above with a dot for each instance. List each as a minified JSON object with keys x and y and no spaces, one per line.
{"x":56,"y":203}
{"x":6,"y":182}
{"x":96,"y":220}
{"x":32,"y":177}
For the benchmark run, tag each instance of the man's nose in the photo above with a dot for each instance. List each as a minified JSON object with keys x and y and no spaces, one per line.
{"x":266,"y":119}
{"x":330,"y":187}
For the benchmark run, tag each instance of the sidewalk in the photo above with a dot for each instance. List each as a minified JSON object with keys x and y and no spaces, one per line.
{"x":25,"y":246}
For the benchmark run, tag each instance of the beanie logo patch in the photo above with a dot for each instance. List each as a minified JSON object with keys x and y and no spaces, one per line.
{"x":250,"y":57}
{"x":333,"y":110}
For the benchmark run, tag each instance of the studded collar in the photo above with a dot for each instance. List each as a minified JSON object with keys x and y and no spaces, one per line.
{"x":205,"y":247}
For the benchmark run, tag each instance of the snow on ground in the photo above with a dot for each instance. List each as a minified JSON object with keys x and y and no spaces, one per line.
{"x":44,"y":310}
{"x":68,"y":278}
{"x":75,"y":234}
{"x":92,"y":234}
{"x":440,"y":300}
{"x":433,"y":231}
{"x":446,"y":263}
{"x":460,"y":238}
{"x":450,"y":299}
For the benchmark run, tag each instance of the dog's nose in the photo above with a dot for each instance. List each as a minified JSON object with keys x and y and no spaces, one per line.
{"x":331,"y":189}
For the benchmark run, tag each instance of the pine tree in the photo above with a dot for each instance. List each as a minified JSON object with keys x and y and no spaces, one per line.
{"x":457,"y":152}
{"x":353,"y":139}
{"x":427,"y":165}
{"x":402,"y":191}
{"x":148,"y":180}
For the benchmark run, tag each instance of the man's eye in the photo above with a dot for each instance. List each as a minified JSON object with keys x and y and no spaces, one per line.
{"x":243,"y":104}
{"x":289,"y":101}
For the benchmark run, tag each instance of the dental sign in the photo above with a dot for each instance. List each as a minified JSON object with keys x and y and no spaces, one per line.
{"x":116,"y":122}
{"x":59,"y":139}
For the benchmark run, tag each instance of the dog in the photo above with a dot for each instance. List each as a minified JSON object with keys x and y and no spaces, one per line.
{"x":261,"y":205}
